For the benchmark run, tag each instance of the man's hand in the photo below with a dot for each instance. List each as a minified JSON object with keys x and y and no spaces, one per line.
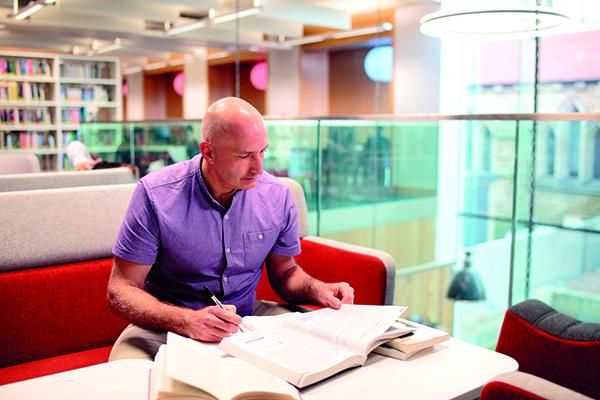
{"x":333,"y":294}
{"x":212,"y":324}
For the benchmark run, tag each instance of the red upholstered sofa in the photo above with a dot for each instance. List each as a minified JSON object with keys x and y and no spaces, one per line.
{"x":55,"y":264}
{"x":558,"y":356}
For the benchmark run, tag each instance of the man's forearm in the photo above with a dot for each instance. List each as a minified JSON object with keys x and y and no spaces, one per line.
{"x":296,"y":286}
{"x":144,"y":310}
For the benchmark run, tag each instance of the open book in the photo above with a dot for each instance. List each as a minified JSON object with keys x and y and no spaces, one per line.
{"x":308,"y":347}
{"x":186,"y":369}
{"x":422,"y":339}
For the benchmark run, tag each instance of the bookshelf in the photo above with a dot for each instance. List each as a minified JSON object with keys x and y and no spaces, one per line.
{"x":44,"y":98}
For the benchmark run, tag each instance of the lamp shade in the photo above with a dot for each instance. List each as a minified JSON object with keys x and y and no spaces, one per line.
{"x":178,"y":83}
{"x":492,"y":22}
{"x":259,"y":75}
{"x":466,"y":284}
{"x":379,"y":64}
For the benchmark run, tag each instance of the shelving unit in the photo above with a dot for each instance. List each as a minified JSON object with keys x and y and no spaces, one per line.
{"x":44,"y":98}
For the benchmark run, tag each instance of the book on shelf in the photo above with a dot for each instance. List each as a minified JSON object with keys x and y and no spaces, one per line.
{"x":25,"y":67}
{"x":422,"y":339}
{"x":186,"y":369}
{"x":306,"y":348}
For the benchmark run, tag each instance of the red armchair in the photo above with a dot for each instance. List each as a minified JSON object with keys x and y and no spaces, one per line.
{"x":370,"y":272}
{"x":558,"y":356}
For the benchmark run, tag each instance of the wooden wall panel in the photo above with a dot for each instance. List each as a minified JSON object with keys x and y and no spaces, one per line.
{"x":221,"y":81}
{"x":154,"y":97}
{"x":248,"y":92}
{"x":314,"y":85}
{"x":350,"y":90}
{"x":174,"y":102}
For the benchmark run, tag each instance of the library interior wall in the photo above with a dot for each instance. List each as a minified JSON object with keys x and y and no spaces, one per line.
{"x":326,"y":83}
{"x":314,"y":83}
{"x":134,"y":101}
{"x":283,"y":97}
{"x":195,"y":92}
{"x":155,"y":97}
{"x":221,"y":83}
{"x":174,"y":101}
{"x":350,"y":90}
{"x":416,"y":63}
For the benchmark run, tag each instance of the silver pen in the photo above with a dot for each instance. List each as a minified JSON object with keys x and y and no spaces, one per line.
{"x":217,"y":302}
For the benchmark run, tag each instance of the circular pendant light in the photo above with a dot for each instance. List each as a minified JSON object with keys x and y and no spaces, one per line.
{"x":506,"y":22}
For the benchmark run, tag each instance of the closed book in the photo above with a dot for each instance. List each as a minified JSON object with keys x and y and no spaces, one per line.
{"x":186,"y":369}
{"x":422,"y":337}
{"x":388,"y":351}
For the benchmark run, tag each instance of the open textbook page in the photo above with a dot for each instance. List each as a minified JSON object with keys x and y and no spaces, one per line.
{"x":308,"y":347}
{"x":187,"y":369}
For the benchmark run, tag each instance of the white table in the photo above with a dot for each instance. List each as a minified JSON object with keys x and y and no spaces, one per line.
{"x":454,"y":369}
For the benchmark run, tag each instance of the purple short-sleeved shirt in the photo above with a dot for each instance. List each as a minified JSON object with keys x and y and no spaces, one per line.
{"x":174,"y":224}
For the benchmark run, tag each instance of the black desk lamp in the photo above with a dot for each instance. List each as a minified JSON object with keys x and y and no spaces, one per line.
{"x":466,"y":284}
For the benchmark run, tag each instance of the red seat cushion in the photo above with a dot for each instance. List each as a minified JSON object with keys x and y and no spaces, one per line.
{"x":53,"y":365}
{"x":55,"y":310}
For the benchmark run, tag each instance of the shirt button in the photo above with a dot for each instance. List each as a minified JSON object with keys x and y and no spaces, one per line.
{"x":260,"y":236}
{"x":225,"y":279}
{"x":228,"y":250}
{"x":226,"y":216}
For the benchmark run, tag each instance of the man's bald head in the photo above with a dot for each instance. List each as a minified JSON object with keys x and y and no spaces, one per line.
{"x":228,"y":118}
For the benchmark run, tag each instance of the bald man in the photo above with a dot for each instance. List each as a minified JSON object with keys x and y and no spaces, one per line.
{"x":210,"y":221}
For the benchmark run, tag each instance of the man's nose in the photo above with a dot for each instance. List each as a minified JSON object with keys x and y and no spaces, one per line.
{"x":257,"y":164}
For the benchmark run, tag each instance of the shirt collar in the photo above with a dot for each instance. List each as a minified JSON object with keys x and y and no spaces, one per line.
{"x":205,"y":192}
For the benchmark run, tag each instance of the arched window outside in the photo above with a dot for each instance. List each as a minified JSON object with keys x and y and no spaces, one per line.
{"x":574,"y":148}
{"x":487,"y":150}
{"x":596,"y":174}
{"x":574,"y":143}
{"x":550,"y":152}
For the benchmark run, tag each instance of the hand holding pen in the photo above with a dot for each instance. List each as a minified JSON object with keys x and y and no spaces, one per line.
{"x":217,"y":302}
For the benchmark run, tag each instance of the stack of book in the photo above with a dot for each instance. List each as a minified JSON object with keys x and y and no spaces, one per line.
{"x":422,"y":339}
{"x":274,"y":356}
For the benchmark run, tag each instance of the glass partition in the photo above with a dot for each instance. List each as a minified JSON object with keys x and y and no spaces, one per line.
{"x":519,"y":194}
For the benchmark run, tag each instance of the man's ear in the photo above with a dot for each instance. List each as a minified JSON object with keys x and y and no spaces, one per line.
{"x":207,"y":151}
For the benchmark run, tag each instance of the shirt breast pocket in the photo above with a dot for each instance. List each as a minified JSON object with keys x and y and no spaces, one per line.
{"x":257,"y":245}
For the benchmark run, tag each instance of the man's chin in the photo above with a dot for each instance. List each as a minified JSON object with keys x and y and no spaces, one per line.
{"x":248,"y":183}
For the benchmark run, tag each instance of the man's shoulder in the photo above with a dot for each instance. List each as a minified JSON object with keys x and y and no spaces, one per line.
{"x":172,"y":176}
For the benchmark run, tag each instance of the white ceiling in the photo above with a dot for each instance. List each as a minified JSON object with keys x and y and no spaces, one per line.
{"x":69,"y":23}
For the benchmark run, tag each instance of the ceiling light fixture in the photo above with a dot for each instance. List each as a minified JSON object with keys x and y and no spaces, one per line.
{"x":186,"y":28}
{"x":385,"y":27}
{"x":132,"y":70}
{"x":236,"y":15}
{"x":507,"y":22}
{"x":156,"y":65}
{"x":115,"y":45}
{"x":213,"y":19}
{"x":31,"y":8}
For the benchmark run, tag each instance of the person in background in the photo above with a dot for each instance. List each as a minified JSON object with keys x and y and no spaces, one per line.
{"x":79,"y":157}
{"x":82,"y":160}
{"x":210,"y":221}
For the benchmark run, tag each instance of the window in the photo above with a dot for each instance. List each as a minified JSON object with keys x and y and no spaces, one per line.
{"x":550,"y":151}
{"x":574,"y":143}
{"x":596,"y":172}
{"x":574,"y":148}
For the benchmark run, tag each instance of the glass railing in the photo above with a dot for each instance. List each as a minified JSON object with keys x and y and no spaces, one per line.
{"x":428,"y":189}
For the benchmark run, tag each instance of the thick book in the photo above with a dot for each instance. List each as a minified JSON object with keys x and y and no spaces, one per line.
{"x":186,"y":369}
{"x":422,"y":339}
{"x":309,"y":347}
